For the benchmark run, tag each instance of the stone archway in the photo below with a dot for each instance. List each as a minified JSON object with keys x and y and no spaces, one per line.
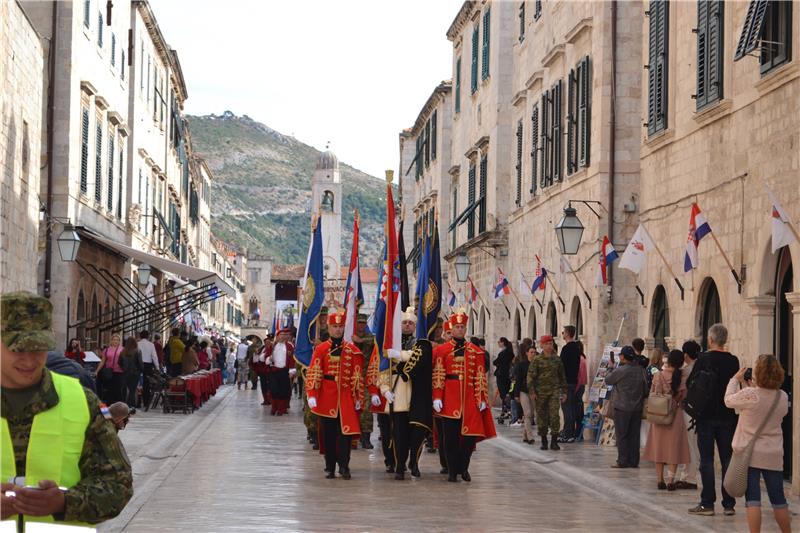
{"x":783,"y":344}
{"x":531,"y":330}
{"x":576,"y":317}
{"x":517,"y":327}
{"x":659,"y":318}
{"x":551,"y":323}
{"x":709,"y":310}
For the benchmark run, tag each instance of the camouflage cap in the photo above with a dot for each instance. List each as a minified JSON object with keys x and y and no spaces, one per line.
{"x":26,"y":322}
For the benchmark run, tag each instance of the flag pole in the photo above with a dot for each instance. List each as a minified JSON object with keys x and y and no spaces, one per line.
{"x":725,"y":256}
{"x":578,"y":280}
{"x":482,"y":300}
{"x":534,"y":296}
{"x":664,"y":260}
{"x":555,"y":289}
{"x":524,"y":313}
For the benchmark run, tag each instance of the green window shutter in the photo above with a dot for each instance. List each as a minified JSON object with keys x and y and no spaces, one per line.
{"x":84,"y":150}
{"x":470,"y":201}
{"x":572,"y":99}
{"x":113,"y":49}
{"x":558,"y":144}
{"x":714,"y":56}
{"x":474,"y":66}
{"x":122,"y":65}
{"x":483,"y":200}
{"x":485,"y":51}
{"x":751,"y":30}
{"x":98,"y":162}
{"x":428,"y":143}
{"x":537,"y":10}
{"x":458,"y":85}
{"x":454,"y":211}
{"x":121,"y":175}
{"x":418,"y":158}
{"x":100,"y":30}
{"x":110,"y":172}
{"x":521,"y":21}
{"x":433,"y":135}
{"x":87,"y":13}
{"x":701,"y":97}
{"x":657,"y":67}
{"x":584,"y":113}
{"x":534,"y":148}
{"x":546,"y":173}
{"x":519,"y":164}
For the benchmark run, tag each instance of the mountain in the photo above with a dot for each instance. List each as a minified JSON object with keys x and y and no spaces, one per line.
{"x":261,"y":190}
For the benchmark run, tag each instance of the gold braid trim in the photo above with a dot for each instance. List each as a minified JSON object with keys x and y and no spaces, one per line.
{"x":438,"y":374}
{"x":481,"y":387}
{"x":358,"y":384}
{"x":416,"y":354}
{"x":372,"y":372}
{"x":314,"y":375}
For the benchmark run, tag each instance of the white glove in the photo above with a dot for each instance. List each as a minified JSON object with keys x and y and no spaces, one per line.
{"x":482,"y":406}
{"x":376,"y":400}
{"x":358,"y":405}
{"x":393,"y":354}
{"x":389,"y":395}
{"x":437,"y":405}
{"x":292,"y":371}
{"x":268,"y":360}
{"x":312,"y":402}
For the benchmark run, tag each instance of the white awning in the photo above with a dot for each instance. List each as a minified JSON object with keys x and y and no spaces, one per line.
{"x":163,"y":264}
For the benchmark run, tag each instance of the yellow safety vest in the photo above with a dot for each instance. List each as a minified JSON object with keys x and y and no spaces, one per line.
{"x":55,"y":443}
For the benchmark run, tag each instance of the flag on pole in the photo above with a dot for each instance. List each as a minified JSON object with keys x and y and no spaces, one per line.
{"x":541,"y":279}
{"x":782,"y":234}
{"x":698,"y":228}
{"x":607,"y":256}
{"x":523,"y":285}
{"x":635,"y":255}
{"x":473,"y":292}
{"x":275,"y":322}
{"x":377,"y":321}
{"x":451,"y":298}
{"x":313,"y":297}
{"x":430,"y":299}
{"x":353,"y":293}
{"x":423,"y":277}
{"x":501,"y":288}
{"x":390,"y":290}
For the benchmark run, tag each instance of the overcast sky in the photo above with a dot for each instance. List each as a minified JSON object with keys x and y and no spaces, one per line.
{"x":352,"y":72}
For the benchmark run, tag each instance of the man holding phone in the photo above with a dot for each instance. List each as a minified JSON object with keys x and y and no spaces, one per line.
{"x":61,"y":458}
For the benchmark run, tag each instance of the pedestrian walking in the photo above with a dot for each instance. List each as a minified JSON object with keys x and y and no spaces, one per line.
{"x":242,"y":368}
{"x":150,"y":364}
{"x":716,"y":423}
{"x":281,"y":365}
{"x":131,"y":363}
{"x":522,"y":393}
{"x":61,"y":458}
{"x":687,"y":474}
{"x":764,"y":404}
{"x":547,"y":386}
{"x":630,"y":387}
{"x":667,"y":443}
{"x":502,"y":375}
{"x":157,"y":344}
{"x":571,"y":358}
{"x":110,"y":377}
{"x":176,"y":349}
{"x":580,"y":389}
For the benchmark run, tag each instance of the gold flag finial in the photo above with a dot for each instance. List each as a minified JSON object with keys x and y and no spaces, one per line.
{"x":389,"y":176}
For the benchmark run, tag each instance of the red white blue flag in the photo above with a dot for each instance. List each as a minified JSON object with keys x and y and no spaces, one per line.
{"x":782,"y":228}
{"x":353,"y":293}
{"x":473,"y":292}
{"x":501,"y":287}
{"x":390,"y":289}
{"x":607,"y":256}
{"x":698,"y":228}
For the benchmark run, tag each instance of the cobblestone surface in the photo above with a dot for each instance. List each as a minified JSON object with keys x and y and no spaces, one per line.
{"x":232,"y":467}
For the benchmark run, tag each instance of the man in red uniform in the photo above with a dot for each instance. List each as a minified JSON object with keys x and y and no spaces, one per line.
{"x":460,"y":397}
{"x":335,"y":388}
{"x":280,"y":359}
{"x":378,"y":406}
{"x":436,"y":442}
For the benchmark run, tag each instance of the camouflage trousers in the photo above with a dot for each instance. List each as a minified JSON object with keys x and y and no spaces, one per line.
{"x":309,"y":418}
{"x":366,"y":420}
{"x":548,"y":409}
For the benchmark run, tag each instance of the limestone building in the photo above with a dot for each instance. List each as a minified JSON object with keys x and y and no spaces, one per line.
{"x":21,"y":76}
{"x":326,"y":199}
{"x":722,"y":121}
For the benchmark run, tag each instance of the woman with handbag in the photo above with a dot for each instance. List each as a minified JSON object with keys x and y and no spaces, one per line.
{"x":109,"y":372}
{"x":758,"y":441}
{"x":131,"y":363}
{"x":667,"y":443}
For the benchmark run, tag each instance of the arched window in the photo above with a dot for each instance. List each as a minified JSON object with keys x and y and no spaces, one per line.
{"x":80,"y":316}
{"x":94,"y":315}
{"x":576,"y":317}
{"x":552,"y":320}
{"x":660,"y":318}
{"x":517,"y":326}
{"x":784,"y":339}
{"x":711,"y":311}
{"x":327,"y":201}
{"x":532,"y":322}
{"x":482,"y":323}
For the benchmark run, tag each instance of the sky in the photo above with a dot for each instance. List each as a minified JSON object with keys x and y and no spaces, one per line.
{"x":350,"y":72}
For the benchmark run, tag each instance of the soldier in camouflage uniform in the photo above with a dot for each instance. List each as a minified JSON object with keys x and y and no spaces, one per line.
{"x":105,"y":483}
{"x":365,"y":342}
{"x":547,"y":385}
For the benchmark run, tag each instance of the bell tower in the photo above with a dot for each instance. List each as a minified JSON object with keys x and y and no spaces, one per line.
{"x":326,"y":196}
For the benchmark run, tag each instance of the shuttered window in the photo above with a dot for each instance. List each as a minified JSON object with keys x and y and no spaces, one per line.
{"x":483,"y":200}
{"x":454,"y":211}
{"x":578,"y":115}
{"x":120,"y":176}
{"x":122,"y":65}
{"x":98,"y":163}
{"x":537,"y":10}
{"x":470,"y":201}
{"x":545,"y":140}
{"x":100,"y":30}
{"x":84,"y":149}
{"x":434,"y":120}
{"x":521,"y":17}
{"x":113,"y":49}
{"x":474,"y":65}
{"x":534,"y":148}
{"x":110,"y":173}
{"x":710,"y":31}
{"x":87,"y":13}
{"x":518,"y":200}
{"x":657,"y":72}
{"x":485,"y":51}
{"x":572,"y":121}
{"x":776,"y":36}
{"x":458,"y":85}
{"x":418,"y":157}
{"x":751,"y":30}
{"x":428,"y":143}
{"x":558,"y":144}
{"x":584,"y":111}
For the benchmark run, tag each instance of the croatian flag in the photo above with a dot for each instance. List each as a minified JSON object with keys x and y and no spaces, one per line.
{"x":353,"y":294}
{"x":607,"y":256}
{"x":451,"y":298}
{"x":540,"y":282}
{"x":473,"y":292}
{"x":698,"y":228}
{"x":390,"y":291}
{"x":782,"y":234}
{"x":502,"y":285}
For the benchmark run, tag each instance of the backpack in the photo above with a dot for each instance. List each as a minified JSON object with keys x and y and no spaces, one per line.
{"x":701,"y":393}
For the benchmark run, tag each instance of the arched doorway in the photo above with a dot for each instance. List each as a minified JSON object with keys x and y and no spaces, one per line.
{"x":517,"y":327}
{"x":783,"y":342}
{"x":80,"y":316}
{"x":659,"y":318}
{"x":710,"y":310}
{"x":552,"y":320}
{"x":576,"y":317}
{"x":531,"y":331}
{"x":482,"y":324}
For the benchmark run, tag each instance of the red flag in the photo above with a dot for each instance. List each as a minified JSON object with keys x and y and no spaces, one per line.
{"x":392,"y":338}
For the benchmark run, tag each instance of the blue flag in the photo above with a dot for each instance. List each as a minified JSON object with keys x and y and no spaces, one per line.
{"x":313,"y":297}
{"x":378,"y":319}
{"x":429,"y":287}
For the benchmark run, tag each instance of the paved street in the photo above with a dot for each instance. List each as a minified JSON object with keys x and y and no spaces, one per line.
{"x":232,"y":467}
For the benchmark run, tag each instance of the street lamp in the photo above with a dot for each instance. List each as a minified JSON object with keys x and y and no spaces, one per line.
{"x":462,"y":265}
{"x":68,"y":243}
{"x":569,"y":231}
{"x":144,"y":273}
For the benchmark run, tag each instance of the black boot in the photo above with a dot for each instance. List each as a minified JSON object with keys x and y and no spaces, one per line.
{"x":544,"y":443}
{"x":400,"y":475}
{"x":414,"y":469}
{"x":345,"y":473}
{"x":314,"y":443}
{"x":365,"y":441}
{"x":452,"y":478}
{"x":554,"y":443}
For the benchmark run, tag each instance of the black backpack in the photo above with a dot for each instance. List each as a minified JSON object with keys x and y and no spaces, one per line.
{"x":701,"y":393}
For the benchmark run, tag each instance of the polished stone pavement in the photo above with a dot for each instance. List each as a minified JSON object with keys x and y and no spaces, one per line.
{"x":232,"y":467}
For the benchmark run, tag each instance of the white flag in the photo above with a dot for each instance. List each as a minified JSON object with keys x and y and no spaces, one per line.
{"x":635,"y":255}
{"x":524,"y":288}
{"x":566,"y":268}
{"x":782,"y":234}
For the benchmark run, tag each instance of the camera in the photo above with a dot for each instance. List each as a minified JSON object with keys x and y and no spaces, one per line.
{"x":748,"y":374}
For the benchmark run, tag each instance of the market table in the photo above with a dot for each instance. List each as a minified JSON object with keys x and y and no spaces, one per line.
{"x":202,"y":385}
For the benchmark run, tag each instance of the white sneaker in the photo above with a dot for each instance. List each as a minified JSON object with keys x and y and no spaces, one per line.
{"x":516,"y":424}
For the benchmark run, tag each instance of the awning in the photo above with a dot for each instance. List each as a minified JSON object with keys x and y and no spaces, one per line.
{"x":163,"y":264}
{"x":465,"y":214}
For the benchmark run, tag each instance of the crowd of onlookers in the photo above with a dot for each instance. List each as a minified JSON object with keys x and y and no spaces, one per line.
{"x":688,"y":404}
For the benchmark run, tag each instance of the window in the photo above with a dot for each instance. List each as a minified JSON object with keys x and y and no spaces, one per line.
{"x":657,"y":67}
{"x":113,"y":49}
{"x":147,"y":89}
{"x":518,"y":200}
{"x":141,"y":67}
{"x":26,"y":152}
{"x":546,"y":176}
{"x":122,"y":65}
{"x":521,"y":17}
{"x":552,"y":145}
{"x":471,"y":201}
{"x":87,"y":13}
{"x":428,"y":143}
{"x":98,"y":162}
{"x":474,"y":66}
{"x":751,"y":30}
{"x":120,"y":176}
{"x":482,"y":200}
{"x":710,"y":31}
{"x":454,"y":212}
{"x":458,"y":85}
{"x":776,"y":35}
{"x":537,"y":10}
{"x":578,"y":115}
{"x":434,"y":120}
{"x":100,"y":30}
{"x":485,"y":51}
{"x":660,"y":318}
{"x":110,"y":172}
{"x":534,"y":147}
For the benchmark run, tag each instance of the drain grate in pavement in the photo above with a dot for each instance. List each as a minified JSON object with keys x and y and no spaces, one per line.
{"x":545,"y":461}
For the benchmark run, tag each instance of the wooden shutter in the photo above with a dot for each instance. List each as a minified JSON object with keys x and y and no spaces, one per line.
{"x":546,"y":176}
{"x":474,"y":66}
{"x":86,"y":13}
{"x":458,"y":85}
{"x":584,"y":114}
{"x":558,"y":144}
{"x":483,"y":200}
{"x":100,"y":30}
{"x":98,"y":162}
{"x":702,"y":53}
{"x":519,"y":163}
{"x":84,"y":150}
{"x":537,"y":11}
{"x":433,"y":135}
{"x":521,"y":21}
{"x":113,"y":49}
{"x":714,"y":38}
{"x":110,"y":173}
{"x":572,"y":99}
{"x":534,"y":148}
{"x":751,"y":30}
{"x":657,"y":68}
{"x":485,"y":58}
{"x":418,"y":157}
{"x":120,"y":177}
{"x":470,"y":201}
{"x":428,"y":143}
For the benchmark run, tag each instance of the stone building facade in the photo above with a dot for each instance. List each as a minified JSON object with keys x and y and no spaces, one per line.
{"x":726,"y":128}
{"x":21,"y":77}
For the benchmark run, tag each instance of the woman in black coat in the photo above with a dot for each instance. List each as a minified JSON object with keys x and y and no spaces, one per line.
{"x":502,"y":371}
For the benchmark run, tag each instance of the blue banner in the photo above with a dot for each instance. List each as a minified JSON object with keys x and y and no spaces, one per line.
{"x":313,"y":297}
